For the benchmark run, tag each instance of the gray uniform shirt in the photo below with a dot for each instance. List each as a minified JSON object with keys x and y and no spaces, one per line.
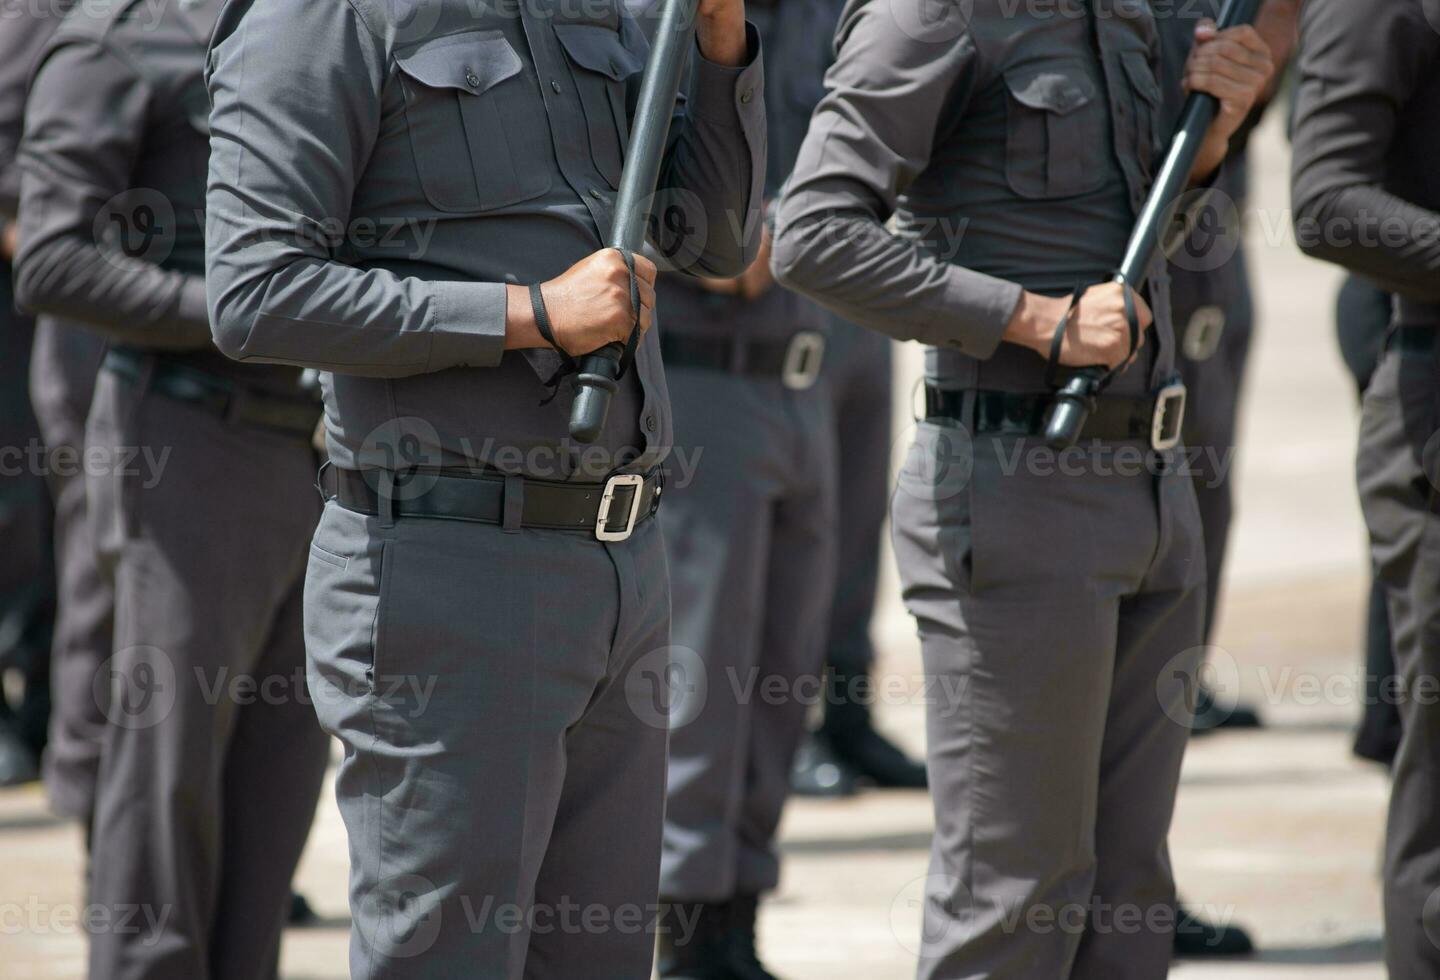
{"x":380,"y":170}
{"x":113,"y":189}
{"x":798,"y":36}
{"x":1012,"y":149}
{"x":24,"y":29}
{"x":1366,"y":164}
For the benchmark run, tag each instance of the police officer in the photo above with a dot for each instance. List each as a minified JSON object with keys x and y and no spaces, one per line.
{"x":847,"y":749}
{"x":211,"y":762}
{"x":27,"y":580}
{"x":412,"y":197}
{"x":63,"y":363}
{"x":1363,"y":312}
{"x":1059,"y":597}
{"x":1367,"y":196}
{"x":751,"y":537}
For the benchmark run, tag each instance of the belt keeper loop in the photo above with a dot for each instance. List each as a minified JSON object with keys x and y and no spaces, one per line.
{"x":514,"y":503}
{"x":385,"y":499}
{"x":739,"y":359}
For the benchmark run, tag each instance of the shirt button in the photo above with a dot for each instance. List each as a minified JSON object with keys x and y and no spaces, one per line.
{"x":595,"y":193}
{"x":554,"y":86}
{"x":747,"y":96}
{"x":650,"y":423}
{"x":471,"y":79}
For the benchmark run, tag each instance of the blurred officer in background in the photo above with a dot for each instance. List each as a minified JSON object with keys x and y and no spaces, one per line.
{"x":1367,"y":196}
{"x":63,"y":364}
{"x":752,"y":542}
{"x":847,"y":749}
{"x":211,"y":762}
{"x":468,"y":542}
{"x":1213,"y":311}
{"x":1014,"y":152}
{"x":1363,"y":312}
{"x":27,"y":574}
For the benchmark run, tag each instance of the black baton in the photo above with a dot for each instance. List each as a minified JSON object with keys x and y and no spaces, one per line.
{"x":1073,"y":401}
{"x":658,"y":92}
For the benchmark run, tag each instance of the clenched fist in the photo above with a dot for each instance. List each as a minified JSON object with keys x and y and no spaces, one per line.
{"x":1095,"y":333}
{"x":588,"y":305}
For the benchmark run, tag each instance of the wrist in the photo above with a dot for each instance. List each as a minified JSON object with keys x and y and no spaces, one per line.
{"x":722,"y":39}
{"x":521,"y":331}
{"x":1034,"y":321}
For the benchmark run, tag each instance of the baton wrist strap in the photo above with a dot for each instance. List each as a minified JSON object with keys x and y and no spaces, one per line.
{"x":1057,"y":339}
{"x":568,"y":364}
{"x":633,"y":341}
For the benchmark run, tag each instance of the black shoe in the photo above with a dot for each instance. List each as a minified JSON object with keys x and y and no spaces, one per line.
{"x":744,"y":958}
{"x":692,"y":941}
{"x":300,"y":911}
{"x":710,"y":941}
{"x":818,"y":773}
{"x":17,"y":765}
{"x":850,"y":731}
{"x":1197,"y":939}
{"x":1210,"y":714}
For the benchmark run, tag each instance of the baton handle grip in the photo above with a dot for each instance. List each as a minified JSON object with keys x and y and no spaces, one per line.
{"x":597,"y":382}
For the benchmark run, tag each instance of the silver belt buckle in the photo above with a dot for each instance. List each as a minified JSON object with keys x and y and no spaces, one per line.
{"x":637,"y":483}
{"x":802,"y":360}
{"x":1169,"y":417}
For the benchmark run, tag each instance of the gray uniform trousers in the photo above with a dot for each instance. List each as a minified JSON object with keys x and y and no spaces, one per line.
{"x":212,"y":761}
{"x":1059,"y":618}
{"x":501,"y":697}
{"x":752,"y":555}
{"x":62,"y":381}
{"x":1398,"y":472}
{"x":858,"y":369}
{"x":1214,"y":383}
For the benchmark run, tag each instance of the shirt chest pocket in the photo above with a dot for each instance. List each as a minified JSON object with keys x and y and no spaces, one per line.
{"x":476,"y":122}
{"x":601,"y":64}
{"x":1055,"y":125}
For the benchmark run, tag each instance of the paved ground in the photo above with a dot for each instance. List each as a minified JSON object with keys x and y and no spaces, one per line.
{"x":1279,"y":830}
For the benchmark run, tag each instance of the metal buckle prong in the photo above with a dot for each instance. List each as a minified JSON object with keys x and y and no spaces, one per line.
{"x":802,"y":360}
{"x":637,"y":484}
{"x":1169,"y":417}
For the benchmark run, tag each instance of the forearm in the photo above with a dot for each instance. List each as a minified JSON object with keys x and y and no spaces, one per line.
{"x":714,"y":173}
{"x":852,"y":265}
{"x":129,"y":300}
{"x":1375,"y":234}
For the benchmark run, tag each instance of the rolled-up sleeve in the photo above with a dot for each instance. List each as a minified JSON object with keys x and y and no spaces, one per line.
{"x":84,"y":127}
{"x":296,"y":108}
{"x":716,"y":156}
{"x":1360,"y":65}
{"x":870,"y":137}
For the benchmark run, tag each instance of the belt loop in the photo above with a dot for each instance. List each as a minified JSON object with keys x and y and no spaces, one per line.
{"x":385,"y":499}
{"x":325,"y":467}
{"x":514,"y":503}
{"x":739,"y":361}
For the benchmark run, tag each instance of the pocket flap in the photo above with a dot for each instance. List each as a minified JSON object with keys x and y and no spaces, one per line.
{"x":1060,"y":89}
{"x":598,"y":49}
{"x":472,"y":62}
{"x":1142,"y":76}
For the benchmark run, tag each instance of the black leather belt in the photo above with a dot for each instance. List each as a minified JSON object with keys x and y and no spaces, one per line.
{"x":219,"y":396}
{"x":610,"y":511}
{"x":1155,"y":419}
{"x":796,"y":361}
{"x":1413,"y":339}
